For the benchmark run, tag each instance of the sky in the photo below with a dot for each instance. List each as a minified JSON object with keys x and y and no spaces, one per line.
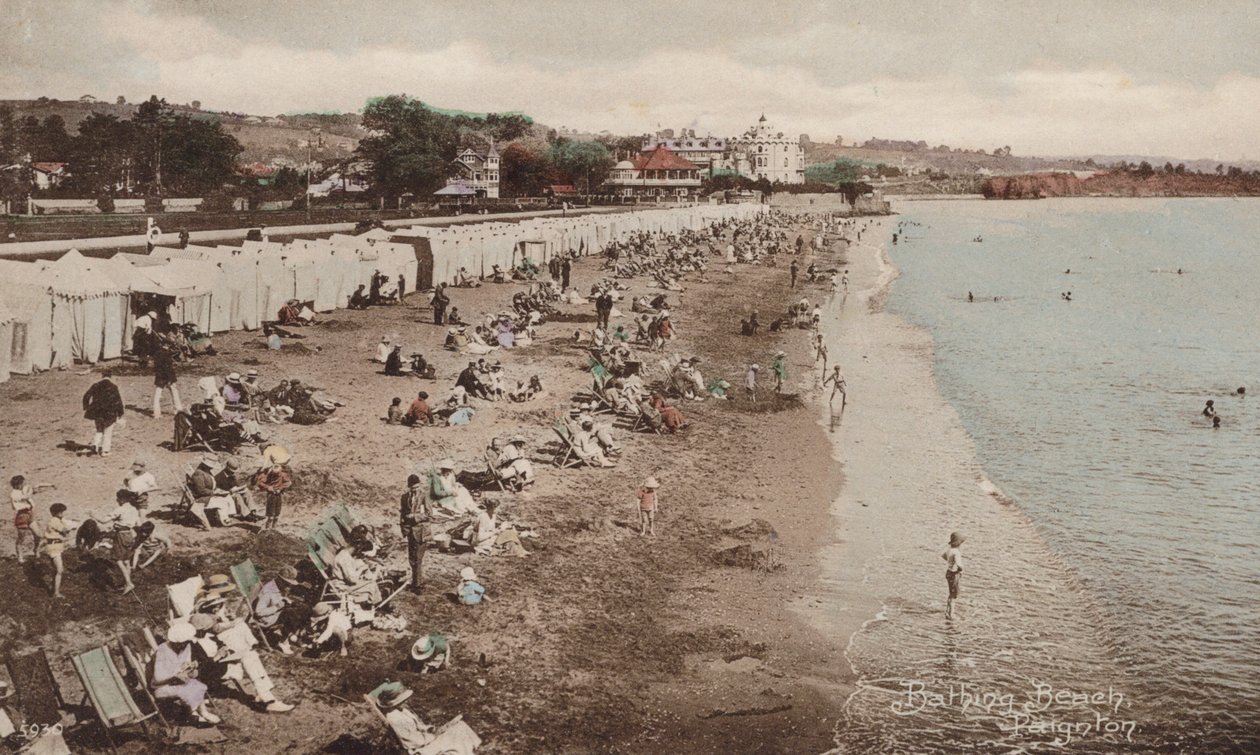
{"x":1066,"y":77}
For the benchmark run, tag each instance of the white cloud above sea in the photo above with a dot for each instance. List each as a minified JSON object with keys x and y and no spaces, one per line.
{"x":822,"y":78}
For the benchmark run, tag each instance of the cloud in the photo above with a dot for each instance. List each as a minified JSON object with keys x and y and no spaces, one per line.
{"x":823,"y":76}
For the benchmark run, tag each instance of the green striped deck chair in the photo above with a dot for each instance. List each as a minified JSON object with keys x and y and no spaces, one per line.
{"x":106,"y":690}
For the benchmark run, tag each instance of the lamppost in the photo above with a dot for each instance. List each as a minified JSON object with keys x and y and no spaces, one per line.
{"x":314,"y":134}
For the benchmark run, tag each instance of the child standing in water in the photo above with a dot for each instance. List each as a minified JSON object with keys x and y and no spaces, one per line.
{"x":953,"y":571}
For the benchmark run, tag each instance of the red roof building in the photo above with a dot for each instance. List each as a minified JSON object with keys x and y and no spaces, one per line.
{"x":656,"y":173}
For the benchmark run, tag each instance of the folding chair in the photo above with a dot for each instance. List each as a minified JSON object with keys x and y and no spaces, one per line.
{"x":106,"y":690}
{"x":248,"y":582}
{"x":493,"y":471}
{"x":567,"y":456}
{"x":451,"y":738}
{"x":641,"y":423}
{"x":38,"y":696}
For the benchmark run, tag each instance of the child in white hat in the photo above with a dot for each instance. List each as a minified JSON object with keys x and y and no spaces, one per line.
{"x":470,"y":591}
{"x":648,"y":503}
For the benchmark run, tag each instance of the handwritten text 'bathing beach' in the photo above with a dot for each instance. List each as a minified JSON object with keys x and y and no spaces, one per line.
{"x":1036,"y":714}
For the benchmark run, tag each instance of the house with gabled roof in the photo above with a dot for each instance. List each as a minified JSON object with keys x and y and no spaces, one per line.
{"x":655,"y":173}
{"x":478,"y":169}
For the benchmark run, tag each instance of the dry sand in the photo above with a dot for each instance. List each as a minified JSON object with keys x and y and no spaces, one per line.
{"x":599,"y":640}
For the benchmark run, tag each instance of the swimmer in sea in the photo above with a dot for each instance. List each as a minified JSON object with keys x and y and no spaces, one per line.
{"x":1068,"y":271}
{"x":1178,"y":271}
{"x":1209,"y":409}
{"x":1216,"y":423}
{"x":1241,"y":391}
{"x":970,"y":297}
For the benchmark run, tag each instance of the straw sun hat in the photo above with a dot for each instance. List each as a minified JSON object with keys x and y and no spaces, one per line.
{"x":181,"y":631}
{"x":651,"y":483}
{"x":956,"y":539}
{"x":423,"y":649}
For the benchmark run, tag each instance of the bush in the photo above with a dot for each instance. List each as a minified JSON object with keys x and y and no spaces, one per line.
{"x":106,"y":204}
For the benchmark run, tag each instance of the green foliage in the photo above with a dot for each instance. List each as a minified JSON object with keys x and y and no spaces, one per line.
{"x":412,"y":148}
{"x":524,"y":172}
{"x":836,"y":172}
{"x":586,"y":164}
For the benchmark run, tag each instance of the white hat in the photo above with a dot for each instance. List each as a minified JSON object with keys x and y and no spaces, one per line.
{"x":181,"y":631}
{"x":651,"y":483}
{"x":467,"y":574}
{"x":447,"y":463}
{"x":234,"y":377}
{"x":384,"y":339}
{"x":756,"y":367}
{"x":423,"y":648}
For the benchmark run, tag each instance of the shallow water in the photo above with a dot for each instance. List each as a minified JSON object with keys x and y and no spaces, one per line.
{"x":1086,"y":413}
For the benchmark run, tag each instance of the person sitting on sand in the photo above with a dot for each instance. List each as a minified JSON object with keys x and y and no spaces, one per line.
{"x":470,"y":591}
{"x":394,"y":362}
{"x":671,"y":415}
{"x":382,"y":350}
{"x":463,"y":279}
{"x":358,"y":299}
{"x":447,"y":493}
{"x":513,"y":464}
{"x":394,"y":415}
{"x":419,"y":412}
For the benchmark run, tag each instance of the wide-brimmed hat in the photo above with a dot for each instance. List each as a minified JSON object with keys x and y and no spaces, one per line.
{"x":251,"y":373}
{"x":208,"y":461}
{"x":756,"y":368}
{"x":450,"y":331}
{"x":956,"y":539}
{"x":651,"y":483}
{"x":181,"y":631}
{"x":467,"y":574}
{"x":384,"y":339}
{"x":393,"y":697}
{"x":423,"y":648}
{"x":289,"y":574}
{"x":202,"y":622}
{"x":234,"y":377}
{"x":447,"y":463}
{"x":276,"y":455}
{"x":321,"y":609}
{"x":218,"y":584}
{"x":517,"y":439}
{"x":232,"y":464}
{"x":780,"y":354}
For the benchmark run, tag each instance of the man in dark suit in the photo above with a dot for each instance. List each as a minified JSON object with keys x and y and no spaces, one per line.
{"x":103,"y":405}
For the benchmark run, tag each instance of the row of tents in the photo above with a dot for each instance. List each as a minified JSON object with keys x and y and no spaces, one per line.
{"x":80,"y":309}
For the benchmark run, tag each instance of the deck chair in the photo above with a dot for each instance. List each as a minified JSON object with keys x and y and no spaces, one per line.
{"x":641,"y":423}
{"x":38,"y":696}
{"x":248,"y":582}
{"x":106,"y":690}
{"x":181,"y":597}
{"x":493,"y":470}
{"x":567,"y":456}
{"x":451,"y":738}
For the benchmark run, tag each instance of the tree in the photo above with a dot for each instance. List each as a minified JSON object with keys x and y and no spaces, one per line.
{"x":523,"y":172}
{"x":152,"y":118}
{"x":101,"y":157}
{"x":1220,"y":170}
{"x":198,"y":156}
{"x":1145,"y":170}
{"x":621,"y":146}
{"x":585,"y":163}
{"x":1168,"y":168}
{"x":508,"y":126}
{"x":121,"y":100}
{"x":411,"y":147}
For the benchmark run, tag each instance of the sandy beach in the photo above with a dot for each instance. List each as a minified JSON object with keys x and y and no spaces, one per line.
{"x":599,"y":640}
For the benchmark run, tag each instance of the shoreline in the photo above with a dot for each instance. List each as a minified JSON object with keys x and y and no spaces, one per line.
{"x":912,"y":475}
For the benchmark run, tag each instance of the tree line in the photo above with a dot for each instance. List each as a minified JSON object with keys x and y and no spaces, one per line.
{"x":156,"y":152}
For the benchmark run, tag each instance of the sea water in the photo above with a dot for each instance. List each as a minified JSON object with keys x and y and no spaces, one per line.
{"x":1086,"y":413}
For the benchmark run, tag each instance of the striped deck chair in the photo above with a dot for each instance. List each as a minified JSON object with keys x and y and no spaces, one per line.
{"x":248,"y":580}
{"x":106,"y":690}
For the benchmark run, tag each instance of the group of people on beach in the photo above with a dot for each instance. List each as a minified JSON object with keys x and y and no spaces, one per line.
{"x":437,"y":508}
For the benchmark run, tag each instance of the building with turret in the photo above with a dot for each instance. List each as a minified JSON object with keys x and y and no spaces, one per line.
{"x":764,"y":152}
{"x":478,"y":171}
